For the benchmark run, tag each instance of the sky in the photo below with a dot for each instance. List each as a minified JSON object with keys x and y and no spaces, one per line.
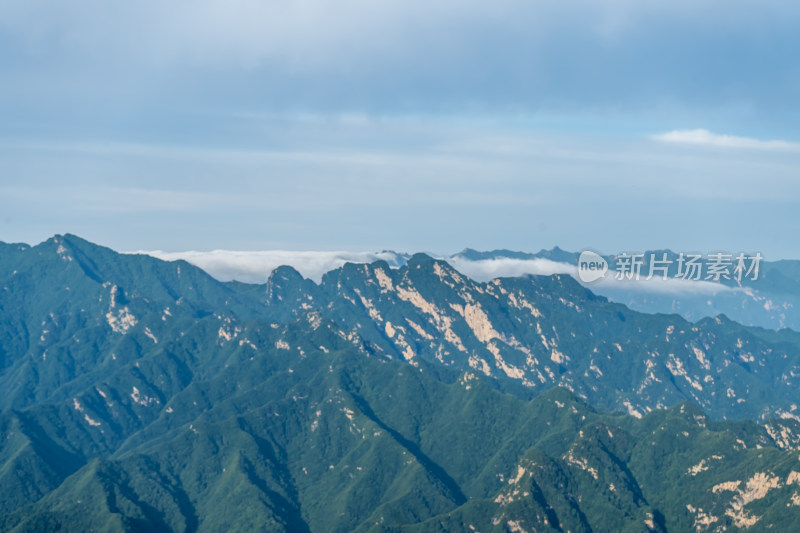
{"x":357,"y":125}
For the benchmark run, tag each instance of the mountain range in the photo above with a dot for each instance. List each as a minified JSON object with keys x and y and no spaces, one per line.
{"x":145,"y":395}
{"x":771,"y":300}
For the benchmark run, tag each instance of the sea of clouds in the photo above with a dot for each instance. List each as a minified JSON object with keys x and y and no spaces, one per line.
{"x":256,"y":266}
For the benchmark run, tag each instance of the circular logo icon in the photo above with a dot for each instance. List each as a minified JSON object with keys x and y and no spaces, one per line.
{"x":591,"y":266}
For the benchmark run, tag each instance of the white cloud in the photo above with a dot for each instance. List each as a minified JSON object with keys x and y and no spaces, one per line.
{"x":610,"y":286}
{"x":255,"y":267}
{"x":707,"y":138}
{"x":487,"y":269}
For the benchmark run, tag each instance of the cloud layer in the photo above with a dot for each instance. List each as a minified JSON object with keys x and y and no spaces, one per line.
{"x":488,"y":269}
{"x":707,"y":138}
{"x":401,"y":55}
{"x":357,"y":125}
{"x":255,"y":267}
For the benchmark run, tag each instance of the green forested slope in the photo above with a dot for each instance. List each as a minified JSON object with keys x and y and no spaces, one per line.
{"x":150,"y":397}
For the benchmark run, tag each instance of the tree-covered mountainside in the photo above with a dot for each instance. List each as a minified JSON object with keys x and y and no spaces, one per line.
{"x":140,"y":395}
{"x":531,"y":333}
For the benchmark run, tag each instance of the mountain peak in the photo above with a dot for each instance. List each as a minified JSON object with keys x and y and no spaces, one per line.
{"x":287,"y":286}
{"x":419,"y":259}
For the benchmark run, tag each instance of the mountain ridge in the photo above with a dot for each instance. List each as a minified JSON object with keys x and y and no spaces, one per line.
{"x":771,"y":301}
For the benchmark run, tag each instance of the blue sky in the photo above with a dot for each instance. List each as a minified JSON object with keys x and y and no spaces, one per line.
{"x":356,"y":125}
